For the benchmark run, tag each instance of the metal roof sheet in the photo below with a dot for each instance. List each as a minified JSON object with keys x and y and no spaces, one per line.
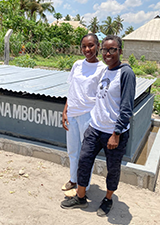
{"x":148,"y":32}
{"x":34,"y":81}
{"x":51,"y":83}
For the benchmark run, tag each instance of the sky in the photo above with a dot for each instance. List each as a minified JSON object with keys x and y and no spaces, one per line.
{"x":135,"y":13}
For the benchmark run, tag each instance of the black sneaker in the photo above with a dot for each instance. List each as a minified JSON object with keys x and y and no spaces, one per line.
{"x":74,"y":202}
{"x":105,"y":207}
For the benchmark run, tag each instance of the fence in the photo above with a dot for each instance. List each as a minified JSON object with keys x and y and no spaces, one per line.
{"x":14,"y":47}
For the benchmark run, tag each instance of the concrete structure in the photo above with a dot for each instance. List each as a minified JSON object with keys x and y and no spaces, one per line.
{"x":6,"y":46}
{"x":32,"y":102}
{"x":144,"y":176}
{"x":144,"y":41}
{"x":31,"y":105}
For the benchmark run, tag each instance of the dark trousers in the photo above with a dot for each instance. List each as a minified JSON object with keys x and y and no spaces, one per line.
{"x":94,"y":141}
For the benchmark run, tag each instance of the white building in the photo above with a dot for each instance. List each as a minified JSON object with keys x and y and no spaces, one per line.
{"x":144,"y":41}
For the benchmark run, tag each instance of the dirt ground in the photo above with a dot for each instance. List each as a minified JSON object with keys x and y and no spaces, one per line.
{"x":30,"y":194}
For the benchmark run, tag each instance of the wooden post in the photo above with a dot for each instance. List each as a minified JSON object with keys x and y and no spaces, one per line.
{"x":6,"y":46}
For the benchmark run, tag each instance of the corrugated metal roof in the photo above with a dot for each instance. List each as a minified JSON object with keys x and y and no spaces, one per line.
{"x":148,"y":32}
{"x":51,"y":83}
{"x":142,"y":85}
{"x":34,"y":81}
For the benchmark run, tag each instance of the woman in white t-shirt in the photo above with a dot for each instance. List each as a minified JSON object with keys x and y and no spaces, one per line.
{"x":83,"y":79}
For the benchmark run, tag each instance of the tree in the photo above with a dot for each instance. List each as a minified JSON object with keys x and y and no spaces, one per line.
{"x":36,"y":7}
{"x":129,"y":30}
{"x":79,"y":32}
{"x":118,"y":24}
{"x":67,"y":18}
{"x":3,"y":10}
{"x":80,"y":19}
{"x":108,"y":27}
{"x":94,"y":25}
{"x":57,"y":16}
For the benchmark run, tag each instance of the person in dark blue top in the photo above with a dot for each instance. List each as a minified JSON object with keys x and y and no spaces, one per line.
{"x":109,"y":126}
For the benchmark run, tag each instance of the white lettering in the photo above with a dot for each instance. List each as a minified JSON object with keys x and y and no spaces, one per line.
{"x":7,"y":110}
{"x":2,"y":108}
{"x":52,"y":118}
{"x":44,"y":117}
{"x":17,"y":112}
{"x":37,"y":115}
{"x":31,"y":114}
{"x":24,"y":112}
{"x":60,"y":119}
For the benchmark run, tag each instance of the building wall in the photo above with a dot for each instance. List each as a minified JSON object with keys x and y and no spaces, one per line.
{"x":150,"y":49}
{"x":33,"y":119}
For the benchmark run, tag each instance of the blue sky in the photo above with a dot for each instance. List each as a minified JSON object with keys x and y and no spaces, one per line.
{"x":134,"y":12}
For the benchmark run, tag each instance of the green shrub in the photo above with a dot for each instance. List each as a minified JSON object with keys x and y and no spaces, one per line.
{"x":1,"y":44}
{"x":132,"y":60}
{"x":46,"y":48}
{"x":143,"y":59}
{"x":156,"y":104}
{"x":25,"y":61}
{"x":149,"y":67}
{"x":16,"y":42}
{"x":66,"y":62}
{"x":157,"y":82}
{"x":138,"y":71}
{"x":30,"y":47}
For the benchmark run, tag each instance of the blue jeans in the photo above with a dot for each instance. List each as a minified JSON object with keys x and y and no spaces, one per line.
{"x":94,"y":141}
{"x":77,"y":126}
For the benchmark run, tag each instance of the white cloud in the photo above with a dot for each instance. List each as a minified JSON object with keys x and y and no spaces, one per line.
{"x":110,"y":6}
{"x":67,"y":6}
{"x":139,"y":17}
{"x":82,"y":1}
{"x":157,"y":6}
{"x":151,"y":6}
{"x":57,"y":3}
{"x":131,"y":3}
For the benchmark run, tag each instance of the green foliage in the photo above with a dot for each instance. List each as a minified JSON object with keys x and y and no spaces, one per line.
{"x":132,"y":60}
{"x":138,"y":71}
{"x":2,"y":43}
{"x":79,"y":32}
{"x":157,"y":83}
{"x":30,"y":47}
{"x":66,"y":62}
{"x":157,"y":104}
{"x":25,"y":61}
{"x":149,"y":67}
{"x":143,"y":59}
{"x":45,"y":48}
{"x":143,"y":67}
{"x":16,"y":42}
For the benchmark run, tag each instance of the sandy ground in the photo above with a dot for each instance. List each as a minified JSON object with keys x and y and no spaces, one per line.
{"x":34,"y":198}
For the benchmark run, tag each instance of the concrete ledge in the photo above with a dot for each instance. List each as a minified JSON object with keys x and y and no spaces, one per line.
{"x":134,"y":174}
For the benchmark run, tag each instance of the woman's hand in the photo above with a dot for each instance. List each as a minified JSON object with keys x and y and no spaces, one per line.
{"x":113,"y":141}
{"x":65,"y":118}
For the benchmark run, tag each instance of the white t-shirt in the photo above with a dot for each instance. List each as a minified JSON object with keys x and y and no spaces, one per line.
{"x":114,"y":100}
{"x":83,"y":79}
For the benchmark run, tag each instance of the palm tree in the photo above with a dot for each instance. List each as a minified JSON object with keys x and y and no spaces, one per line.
{"x":57,"y":16}
{"x":129,"y":30}
{"x":94,"y":25}
{"x":80,"y":19}
{"x":67,"y":18}
{"x":108,"y":27}
{"x":36,"y":7}
{"x":118,"y":24}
